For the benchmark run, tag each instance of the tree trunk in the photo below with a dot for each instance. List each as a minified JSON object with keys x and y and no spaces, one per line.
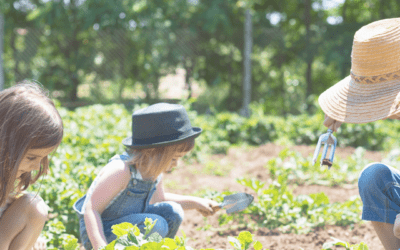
{"x":309,"y":56}
{"x":73,"y":95}
{"x":344,"y":9}
{"x":382,"y":9}
{"x":15,"y":56}
{"x":121,"y":87}
{"x":248,"y":42}
{"x":156,"y":86}
{"x":344,"y":70}
{"x":282,"y":90}
{"x":1,"y":51}
{"x":188,"y":75}
{"x":74,"y":46}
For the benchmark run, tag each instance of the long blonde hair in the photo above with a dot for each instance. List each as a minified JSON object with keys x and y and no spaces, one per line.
{"x":28,"y":120}
{"x":155,"y":161}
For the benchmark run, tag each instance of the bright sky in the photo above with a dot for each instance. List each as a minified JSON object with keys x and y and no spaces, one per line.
{"x":276,"y":17}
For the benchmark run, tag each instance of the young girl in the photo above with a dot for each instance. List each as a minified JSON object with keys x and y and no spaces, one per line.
{"x":129,"y":188}
{"x":30,"y":129}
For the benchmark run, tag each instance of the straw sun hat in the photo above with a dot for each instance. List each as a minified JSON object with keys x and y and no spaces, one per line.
{"x":371,"y":91}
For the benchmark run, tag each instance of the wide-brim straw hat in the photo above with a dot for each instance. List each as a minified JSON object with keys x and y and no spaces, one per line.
{"x":371,"y":91}
{"x":159,"y":125}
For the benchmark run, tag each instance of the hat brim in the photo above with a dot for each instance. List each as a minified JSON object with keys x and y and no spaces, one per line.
{"x":352,"y":102}
{"x":194,"y":133}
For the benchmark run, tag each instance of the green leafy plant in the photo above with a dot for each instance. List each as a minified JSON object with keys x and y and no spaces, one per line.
{"x":93,"y":134}
{"x":275,"y":206}
{"x":243,"y":241}
{"x":129,"y":237}
{"x":348,"y":246}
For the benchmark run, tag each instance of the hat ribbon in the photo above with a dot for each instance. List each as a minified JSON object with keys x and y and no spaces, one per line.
{"x":162,"y":138}
{"x":375,"y":79}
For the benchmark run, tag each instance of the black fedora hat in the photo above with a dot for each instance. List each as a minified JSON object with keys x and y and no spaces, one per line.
{"x":159,"y":125}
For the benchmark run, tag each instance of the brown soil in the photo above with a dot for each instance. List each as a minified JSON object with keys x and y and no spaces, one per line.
{"x":238,"y":162}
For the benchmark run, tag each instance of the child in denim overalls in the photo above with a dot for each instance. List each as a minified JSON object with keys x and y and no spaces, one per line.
{"x":129,"y":188}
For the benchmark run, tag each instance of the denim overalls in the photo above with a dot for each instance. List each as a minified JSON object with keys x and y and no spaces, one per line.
{"x":132,"y":205}
{"x":379,"y":187}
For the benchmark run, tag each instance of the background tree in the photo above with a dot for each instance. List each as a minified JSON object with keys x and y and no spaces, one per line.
{"x":300,"y":48}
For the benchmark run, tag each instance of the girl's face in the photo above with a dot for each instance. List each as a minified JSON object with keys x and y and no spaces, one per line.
{"x":32,"y":160}
{"x":174,"y":162}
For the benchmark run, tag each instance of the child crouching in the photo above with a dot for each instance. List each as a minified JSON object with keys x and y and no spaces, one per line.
{"x":129,"y":188}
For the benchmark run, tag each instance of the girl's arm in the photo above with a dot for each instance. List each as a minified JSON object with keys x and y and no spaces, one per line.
{"x":187,"y":202}
{"x":113,"y":178}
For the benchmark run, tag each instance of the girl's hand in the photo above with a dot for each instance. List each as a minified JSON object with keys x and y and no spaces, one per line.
{"x":40,"y":244}
{"x":204,"y":206}
{"x":331,"y":123}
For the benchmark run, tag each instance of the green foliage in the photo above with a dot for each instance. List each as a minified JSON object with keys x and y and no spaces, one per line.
{"x":243,"y":241}
{"x":277,"y":207}
{"x":93,"y":134}
{"x":55,"y":236}
{"x":300,"y":170}
{"x":130,"y":44}
{"x":130,"y":238}
{"x":227,"y":128}
{"x":348,"y":246}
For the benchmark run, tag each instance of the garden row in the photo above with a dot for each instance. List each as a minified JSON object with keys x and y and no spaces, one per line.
{"x":93,"y":135}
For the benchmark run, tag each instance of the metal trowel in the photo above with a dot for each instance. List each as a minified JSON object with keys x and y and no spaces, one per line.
{"x":235,"y":202}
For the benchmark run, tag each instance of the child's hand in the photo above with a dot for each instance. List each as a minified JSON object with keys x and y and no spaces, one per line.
{"x":204,"y":206}
{"x":40,"y":244}
{"x":331,"y":123}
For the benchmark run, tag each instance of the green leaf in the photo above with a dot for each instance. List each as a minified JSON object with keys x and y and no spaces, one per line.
{"x":131,"y":248}
{"x":33,"y":14}
{"x":235,"y":242}
{"x":151,"y":246}
{"x":335,"y":242}
{"x":111,"y":245}
{"x":149,"y":224}
{"x":132,"y":237}
{"x":121,"y":229}
{"x":362,"y":246}
{"x":71,"y":244}
{"x":245,"y":237}
{"x":178,"y":241}
{"x":170,"y":243}
{"x":155,"y":237}
{"x":122,"y":242}
{"x":257,"y":245}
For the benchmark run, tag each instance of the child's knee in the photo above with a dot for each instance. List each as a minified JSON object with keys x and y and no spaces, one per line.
{"x":161,"y":227}
{"x":176,"y":211}
{"x":36,"y":210}
{"x":373,"y":173}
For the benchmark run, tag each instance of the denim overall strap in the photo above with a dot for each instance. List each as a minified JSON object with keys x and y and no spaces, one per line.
{"x":150,"y":186}
{"x":133,"y":199}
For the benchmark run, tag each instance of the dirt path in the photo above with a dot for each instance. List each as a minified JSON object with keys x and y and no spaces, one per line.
{"x":250,"y":162}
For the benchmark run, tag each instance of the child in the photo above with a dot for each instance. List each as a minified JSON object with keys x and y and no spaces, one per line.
{"x":30,"y":129}
{"x":129,"y":188}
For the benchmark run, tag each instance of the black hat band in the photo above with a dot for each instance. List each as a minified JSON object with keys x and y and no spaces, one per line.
{"x":157,"y":139}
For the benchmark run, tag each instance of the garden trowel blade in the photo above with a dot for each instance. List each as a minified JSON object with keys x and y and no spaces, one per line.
{"x":236,"y":202}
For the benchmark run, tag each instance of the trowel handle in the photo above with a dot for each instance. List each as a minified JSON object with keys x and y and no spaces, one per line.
{"x":216,"y":208}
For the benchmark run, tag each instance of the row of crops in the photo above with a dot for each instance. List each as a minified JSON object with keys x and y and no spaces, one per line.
{"x":93,"y":135}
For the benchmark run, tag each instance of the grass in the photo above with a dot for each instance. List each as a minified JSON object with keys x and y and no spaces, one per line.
{"x":217,"y":169}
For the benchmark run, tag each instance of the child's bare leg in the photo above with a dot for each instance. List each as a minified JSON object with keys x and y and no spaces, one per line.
{"x":22,"y":222}
{"x":386,"y":235}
